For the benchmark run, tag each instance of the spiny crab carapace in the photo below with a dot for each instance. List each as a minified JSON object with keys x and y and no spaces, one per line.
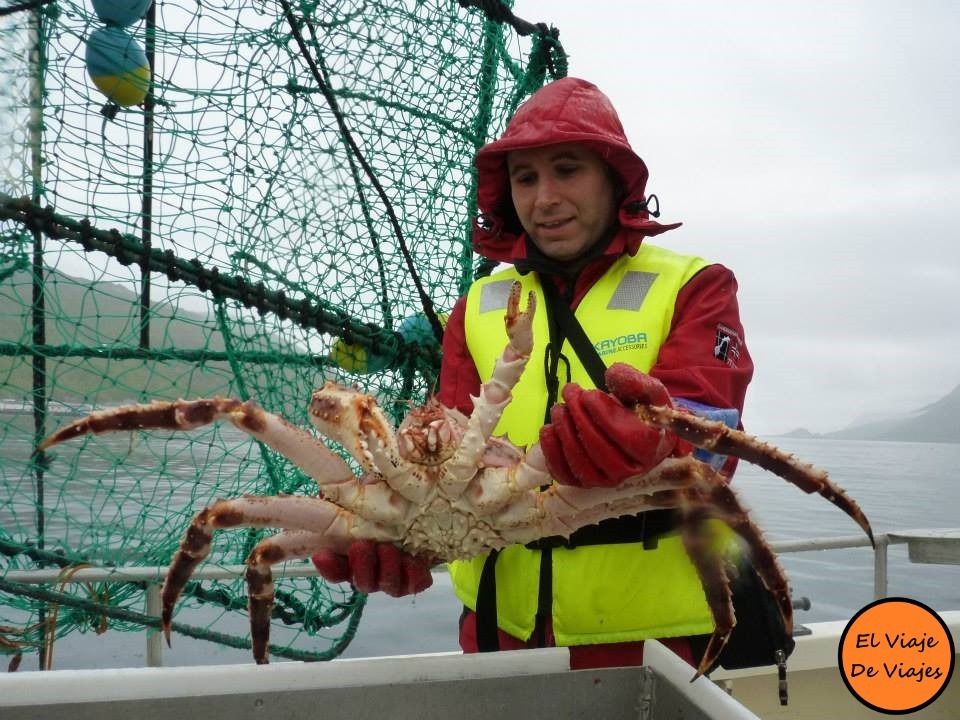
{"x":442,"y":487}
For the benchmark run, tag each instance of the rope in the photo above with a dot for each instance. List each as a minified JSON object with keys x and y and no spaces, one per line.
{"x":129,"y":251}
{"x":547,"y":50}
{"x":425,"y":300}
{"x":498,"y":11}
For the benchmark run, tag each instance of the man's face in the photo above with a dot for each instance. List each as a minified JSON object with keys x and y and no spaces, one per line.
{"x":564,"y":197}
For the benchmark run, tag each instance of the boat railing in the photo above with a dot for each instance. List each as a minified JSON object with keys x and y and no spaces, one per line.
{"x":925,"y":546}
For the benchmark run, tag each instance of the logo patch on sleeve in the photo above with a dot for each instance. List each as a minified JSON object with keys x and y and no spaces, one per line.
{"x":726,"y":346}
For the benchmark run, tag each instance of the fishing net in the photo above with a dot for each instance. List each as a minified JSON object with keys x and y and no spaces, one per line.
{"x":243,"y":198}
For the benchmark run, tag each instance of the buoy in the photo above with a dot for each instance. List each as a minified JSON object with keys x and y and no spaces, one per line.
{"x":356,"y":359}
{"x":122,"y":13}
{"x":417,"y":328}
{"x":118,"y":65}
{"x":353,"y":358}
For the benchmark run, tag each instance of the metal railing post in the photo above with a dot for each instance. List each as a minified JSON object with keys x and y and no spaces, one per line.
{"x":880,"y":568}
{"x":154,"y":637}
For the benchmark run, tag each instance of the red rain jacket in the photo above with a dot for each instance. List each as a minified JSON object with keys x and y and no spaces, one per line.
{"x":689,"y":364}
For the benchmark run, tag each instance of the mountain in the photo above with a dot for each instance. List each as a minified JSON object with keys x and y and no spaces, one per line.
{"x":936,"y":422}
{"x":86,"y":314}
{"x":800,"y":433}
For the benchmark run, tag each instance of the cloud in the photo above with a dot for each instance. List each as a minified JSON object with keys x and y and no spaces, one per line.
{"x":812,"y":148}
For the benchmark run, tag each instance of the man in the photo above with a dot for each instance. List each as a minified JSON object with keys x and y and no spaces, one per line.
{"x":562,"y":197}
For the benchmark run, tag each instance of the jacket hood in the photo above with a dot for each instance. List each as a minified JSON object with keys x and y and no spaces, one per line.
{"x":569,"y":110}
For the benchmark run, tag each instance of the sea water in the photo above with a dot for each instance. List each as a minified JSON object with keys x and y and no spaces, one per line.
{"x":900,"y":486}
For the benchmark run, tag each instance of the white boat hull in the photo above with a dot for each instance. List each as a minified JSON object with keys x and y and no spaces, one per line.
{"x":531,"y":684}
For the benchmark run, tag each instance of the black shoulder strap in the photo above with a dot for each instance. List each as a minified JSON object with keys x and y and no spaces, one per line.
{"x":572,"y":330}
{"x":487,"y":640}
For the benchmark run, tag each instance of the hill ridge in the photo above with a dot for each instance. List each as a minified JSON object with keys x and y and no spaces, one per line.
{"x":935,"y":422}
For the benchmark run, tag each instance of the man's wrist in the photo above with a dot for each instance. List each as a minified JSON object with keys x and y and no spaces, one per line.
{"x":728,"y":416}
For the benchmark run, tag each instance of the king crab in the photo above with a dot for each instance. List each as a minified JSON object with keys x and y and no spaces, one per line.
{"x":441,"y":487}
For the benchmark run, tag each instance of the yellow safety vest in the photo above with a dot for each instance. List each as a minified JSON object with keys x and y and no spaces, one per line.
{"x":601,"y":593}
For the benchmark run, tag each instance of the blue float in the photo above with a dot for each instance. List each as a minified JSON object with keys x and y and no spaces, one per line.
{"x":118,"y":65}
{"x":122,"y":13}
{"x":417,"y":329}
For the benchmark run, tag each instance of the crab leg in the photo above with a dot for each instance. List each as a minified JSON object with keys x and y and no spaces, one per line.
{"x":563,"y":509}
{"x":718,"y":500}
{"x":635,"y":390}
{"x":309,"y":453}
{"x":312,"y":524}
{"x":716,"y":589}
{"x":371,"y":500}
{"x":495,"y":394}
{"x":288,"y":545}
{"x":707,"y":561}
{"x":719,"y":438}
{"x":721,"y":502}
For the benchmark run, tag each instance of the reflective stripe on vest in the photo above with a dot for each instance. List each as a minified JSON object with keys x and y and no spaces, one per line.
{"x":601,"y":593}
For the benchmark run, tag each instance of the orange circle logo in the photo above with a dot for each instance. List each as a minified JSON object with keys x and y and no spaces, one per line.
{"x":896,"y":656}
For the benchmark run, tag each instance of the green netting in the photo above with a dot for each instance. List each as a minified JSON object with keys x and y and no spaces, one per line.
{"x":290,"y":202}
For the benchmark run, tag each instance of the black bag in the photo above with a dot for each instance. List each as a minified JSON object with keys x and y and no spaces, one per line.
{"x":759,"y":634}
{"x":759,"y":638}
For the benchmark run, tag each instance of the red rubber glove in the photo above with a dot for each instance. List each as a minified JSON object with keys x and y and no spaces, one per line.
{"x":595,"y":440}
{"x":371,"y":566}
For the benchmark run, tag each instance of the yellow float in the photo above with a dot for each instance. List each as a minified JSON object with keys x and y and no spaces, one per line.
{"x":353,"y":358}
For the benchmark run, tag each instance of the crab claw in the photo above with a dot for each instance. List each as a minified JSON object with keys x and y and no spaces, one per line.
{"x":519,"y":325}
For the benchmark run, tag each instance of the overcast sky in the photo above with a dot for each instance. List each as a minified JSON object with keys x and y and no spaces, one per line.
{"x":814,"y":148}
